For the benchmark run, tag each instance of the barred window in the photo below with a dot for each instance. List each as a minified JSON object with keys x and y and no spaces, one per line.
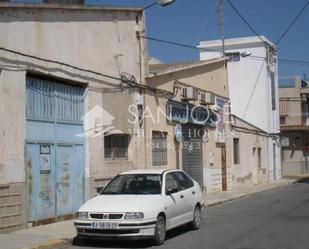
{"x":159,"y":148}
{"x":116,"y":147}
{"x":236,"y":150}
{"x":260,"y":157}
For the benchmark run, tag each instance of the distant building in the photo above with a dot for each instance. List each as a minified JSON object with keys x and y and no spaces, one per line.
{"x":253,"y":92}
{"x":294,"y":123}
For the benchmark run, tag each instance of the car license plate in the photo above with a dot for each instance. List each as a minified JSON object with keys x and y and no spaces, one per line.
{"x":104,"y":225}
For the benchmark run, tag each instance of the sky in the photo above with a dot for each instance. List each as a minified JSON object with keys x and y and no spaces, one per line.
{"x":190,"y":21}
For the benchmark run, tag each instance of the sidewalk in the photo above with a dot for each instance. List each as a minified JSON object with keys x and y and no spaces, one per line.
{"x":59,"y":233}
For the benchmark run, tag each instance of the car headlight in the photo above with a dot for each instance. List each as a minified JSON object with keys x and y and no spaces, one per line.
{"x":82,"y":215}
{"x":134,"y":215}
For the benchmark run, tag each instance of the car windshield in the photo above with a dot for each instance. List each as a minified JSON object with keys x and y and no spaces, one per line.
{"x":134,"y":184}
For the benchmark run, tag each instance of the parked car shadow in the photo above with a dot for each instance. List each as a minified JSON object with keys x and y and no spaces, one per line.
{"x":101,"y":243}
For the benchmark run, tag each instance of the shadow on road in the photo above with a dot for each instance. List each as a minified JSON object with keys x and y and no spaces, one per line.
{"x":305,"y":180}
{"x":100,"y":243}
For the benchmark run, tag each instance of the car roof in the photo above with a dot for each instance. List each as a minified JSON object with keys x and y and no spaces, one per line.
{"x":146,"y":171}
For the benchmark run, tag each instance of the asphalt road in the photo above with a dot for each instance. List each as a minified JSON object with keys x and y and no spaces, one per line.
{"x":275,"y":219}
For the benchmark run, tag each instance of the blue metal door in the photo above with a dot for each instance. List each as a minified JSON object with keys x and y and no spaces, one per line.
{"x":40,"y":184}
{"x":55,"y":155}
{"x":69,"y":178}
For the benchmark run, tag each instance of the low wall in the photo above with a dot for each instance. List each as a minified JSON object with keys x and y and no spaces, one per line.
{"x":12,"y":207}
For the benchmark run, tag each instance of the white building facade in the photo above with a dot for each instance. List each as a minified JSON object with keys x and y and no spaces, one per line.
{"x":253,"y":90}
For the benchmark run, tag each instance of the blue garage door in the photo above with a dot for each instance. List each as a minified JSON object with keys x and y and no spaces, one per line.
{"x":55,"y":152}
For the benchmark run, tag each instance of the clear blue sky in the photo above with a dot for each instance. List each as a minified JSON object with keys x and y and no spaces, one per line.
{"x":189,"y":21}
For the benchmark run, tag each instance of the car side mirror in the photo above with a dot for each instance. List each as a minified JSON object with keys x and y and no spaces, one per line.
{"x":171,"y":190}
{"x":99,"y":189}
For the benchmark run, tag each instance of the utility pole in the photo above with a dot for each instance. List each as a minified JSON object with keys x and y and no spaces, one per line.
{"x":220,"y":11}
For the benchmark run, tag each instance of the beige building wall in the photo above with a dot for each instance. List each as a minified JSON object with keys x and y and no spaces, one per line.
{"x":209,"y":76}
{"x":294,"y":128}
{"x":250,"y":169}
{"x":91,"y":39}
{"x":290,"y":104}
{"x":12,"y":146}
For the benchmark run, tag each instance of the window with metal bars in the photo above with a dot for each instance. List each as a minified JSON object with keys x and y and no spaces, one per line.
{"x":159,"y":148}
{"x":236,"y":150}
{"x":116,"y":147}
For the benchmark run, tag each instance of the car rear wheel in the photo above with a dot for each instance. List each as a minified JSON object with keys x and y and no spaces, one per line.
{"x":160,"y":231}
{"x":197,"y":216}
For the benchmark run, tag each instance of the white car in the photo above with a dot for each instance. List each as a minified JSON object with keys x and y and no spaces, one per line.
{"x":142,"y":204}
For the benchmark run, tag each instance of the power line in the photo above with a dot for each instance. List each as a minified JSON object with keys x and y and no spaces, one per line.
{"x":253,"y":89}
{"x":244,"y":20}
{"x":292,"y":23}
{"x":130,"y":81}
{"x":287,"y":61}
{"x":177,"y":43}
{"x":203,"y":27}
{"x":59,"y":63}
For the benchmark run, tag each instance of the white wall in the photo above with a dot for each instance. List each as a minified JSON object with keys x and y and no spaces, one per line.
{"x":249,"y":77}
{"x":250,"y":92}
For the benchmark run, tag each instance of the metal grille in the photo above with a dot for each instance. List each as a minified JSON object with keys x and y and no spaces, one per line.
{"x":159,"y":148}
{"x":106,"y":216}
{"x":51,"y":101}
{"x":192,"y":152}
{"x":236,"y":150}
{"x":116,"y":146}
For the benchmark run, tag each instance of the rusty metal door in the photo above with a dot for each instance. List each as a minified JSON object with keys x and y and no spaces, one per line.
{"x":41,"y":182}
{"x":55,"y":154}
{"x":69,"y":179}
{"x":223,"y":167}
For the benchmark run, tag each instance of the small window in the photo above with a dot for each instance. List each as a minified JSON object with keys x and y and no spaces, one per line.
{"x":232,"y":57}
{"x":116,"y":147}
{"x":260,"y":157}
{"x":273,"y":90}
{"x":159,"y":148}
{"x":236,"y":150}
{"x":183,"y":180}
{"x":282,"y":119}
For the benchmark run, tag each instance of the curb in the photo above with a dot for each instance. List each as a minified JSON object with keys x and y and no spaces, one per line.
{"x":227,"y":200}
{"x":247,"y":194}
{"x":52,"y":243}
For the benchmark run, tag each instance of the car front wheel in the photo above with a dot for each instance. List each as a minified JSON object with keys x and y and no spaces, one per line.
{"x":160,"y":231}
{"x":197,"y":216}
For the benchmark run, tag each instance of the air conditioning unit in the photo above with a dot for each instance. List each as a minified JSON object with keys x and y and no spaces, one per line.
{"x":208,"y":98}
{"x":190,"y":93}
{"x":203,"y":97}
{"x":184,"y":92}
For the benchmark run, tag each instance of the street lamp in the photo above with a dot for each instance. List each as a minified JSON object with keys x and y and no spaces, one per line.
{"x":245,"y":54}
{"x":160,"y":2}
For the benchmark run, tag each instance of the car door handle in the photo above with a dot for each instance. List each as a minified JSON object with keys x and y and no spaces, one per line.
{"x":182,"y":196}
{"x":193,"y":192}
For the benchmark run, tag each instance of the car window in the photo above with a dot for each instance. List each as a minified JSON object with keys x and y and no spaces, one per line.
{"x":170,"y":182}
{"x":134,"y":184}
{"x":184,"y":181}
